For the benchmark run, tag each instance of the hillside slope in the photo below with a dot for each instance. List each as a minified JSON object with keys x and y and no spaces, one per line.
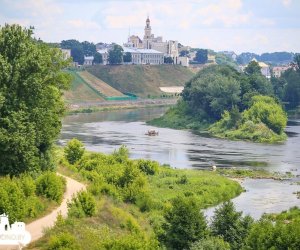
{"x":99,"y":85}
{"x":142,"y":80}
{"x":80,"y":91}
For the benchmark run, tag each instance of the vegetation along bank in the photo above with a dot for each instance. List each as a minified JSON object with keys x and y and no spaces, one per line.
{"x":235,"y":105}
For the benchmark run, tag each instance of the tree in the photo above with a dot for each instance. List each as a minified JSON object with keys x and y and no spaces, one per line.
{"x":127,"y":57}
{"x":185,"y":223}
{"x":230,"y":225}
{"x":89,"y":49}
{"x":276,"y":231}
{"x":184,"y":53}
{"x":74,"y":151}
{"x":98,"y":58}
{"x":168,"y":60}
{"x":253,"y":68}
{"x":77,"y":55}
{"x":115,"y":55}
{"x":292,"y":88}
{"x":265,"y":109}
{"x":201,"y":56}
{"x":31,"y":105}
{"x":210,"y":243}
{"x":214,"y":90}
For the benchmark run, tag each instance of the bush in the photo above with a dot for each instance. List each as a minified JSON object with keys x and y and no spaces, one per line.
{"x":185,"y":223}
{"x":121,"y":155}
{"x":210,"y":243}
{"x":63,"y":241}
{"x":74,"y":151}
{"x":50,"y":185}
{"x":147,"y":166}
{"x":82,"y":205}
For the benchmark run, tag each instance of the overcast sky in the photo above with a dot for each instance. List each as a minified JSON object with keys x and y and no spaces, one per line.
{"x":239,"y":25}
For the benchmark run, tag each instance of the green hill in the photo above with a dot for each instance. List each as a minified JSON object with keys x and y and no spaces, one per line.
{"x":142,"y":80}
{"x":80,"y":91}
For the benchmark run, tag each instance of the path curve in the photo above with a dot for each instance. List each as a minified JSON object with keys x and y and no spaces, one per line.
{"x":36,"y":228}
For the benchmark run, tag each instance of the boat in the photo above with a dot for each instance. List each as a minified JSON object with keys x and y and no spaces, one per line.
{"x":151,"y":133}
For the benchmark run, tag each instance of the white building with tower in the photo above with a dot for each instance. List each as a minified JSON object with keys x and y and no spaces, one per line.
{"x":150,"y":42}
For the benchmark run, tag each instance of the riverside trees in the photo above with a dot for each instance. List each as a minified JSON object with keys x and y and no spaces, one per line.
{"x":218,"y":97}
{"x":31,"y":105}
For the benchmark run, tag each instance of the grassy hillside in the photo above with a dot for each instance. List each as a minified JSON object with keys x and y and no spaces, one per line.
{"x":98,"y":84}
{"x":80,"y":91}
{"x":142,"y":80}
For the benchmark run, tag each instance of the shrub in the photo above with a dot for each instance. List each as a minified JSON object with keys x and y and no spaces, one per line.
{"x":210,"y":243}
{"x":62,"y":241}
{"x":12,"y":199}
{"x":50,"y":185}
{"x":82,"y":205}
{"x":74,"y":151}
{"x":185,"y":223}
{"x":121,"y":155}
{"x":147,"y":166}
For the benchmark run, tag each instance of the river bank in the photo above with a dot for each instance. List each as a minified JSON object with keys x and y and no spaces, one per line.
{"x":89,"y":107}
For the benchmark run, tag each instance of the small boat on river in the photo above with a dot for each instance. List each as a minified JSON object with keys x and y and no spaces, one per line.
{"x":151,"y":133}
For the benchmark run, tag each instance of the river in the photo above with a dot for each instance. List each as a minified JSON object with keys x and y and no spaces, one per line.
{"x":107,"y":131}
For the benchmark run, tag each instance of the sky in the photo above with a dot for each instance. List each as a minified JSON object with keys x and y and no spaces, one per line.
{"x":234,"y":25}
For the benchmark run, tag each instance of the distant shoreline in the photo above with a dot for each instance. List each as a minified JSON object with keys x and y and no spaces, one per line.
{"x":90,"y":107}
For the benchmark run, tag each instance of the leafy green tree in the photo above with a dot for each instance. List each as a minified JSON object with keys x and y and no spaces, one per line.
{"x":127,"y":57}
{"x":82,"y":205}
{"x":278,"y":86}
{"x":115,"y":55}
{"x":77,"y":55}
{"x":98,"y":58}
{"x":31,"y":104}
{"x":51,"y":186}
{"x":214,"y":90}
{"x":168,"y":60}
{"x":292,"y":88}
{"x":230,"y":225}
{"x":185,"y":223}
{"x":74,"y":150}
{"x":265,"y":109}
{"x":89,"y":49}
{"x":276,"y":232}
{"x":201,"y":56}
{"x":296,"y":63}
{"x":210,"y":243}
{"x":253,"y":68}
{"x":76,"y":48}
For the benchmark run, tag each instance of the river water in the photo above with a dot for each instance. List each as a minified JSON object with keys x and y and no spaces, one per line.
{"x":107,"y":131}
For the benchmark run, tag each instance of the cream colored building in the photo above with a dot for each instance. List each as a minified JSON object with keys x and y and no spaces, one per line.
{"x":168,"y":48}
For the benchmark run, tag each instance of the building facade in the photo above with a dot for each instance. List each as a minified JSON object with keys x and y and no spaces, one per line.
{"x":150,"y":42}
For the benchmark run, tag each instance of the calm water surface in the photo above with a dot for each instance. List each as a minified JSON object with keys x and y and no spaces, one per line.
{"x":107,"y":131}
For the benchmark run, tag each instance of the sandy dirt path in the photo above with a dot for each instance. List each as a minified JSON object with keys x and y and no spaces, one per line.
{"x":36,"y":228}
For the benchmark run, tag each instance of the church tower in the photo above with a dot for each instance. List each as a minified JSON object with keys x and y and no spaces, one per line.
{"x":148,"y":35}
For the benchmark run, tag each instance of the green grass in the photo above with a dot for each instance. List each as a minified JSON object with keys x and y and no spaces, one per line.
{"x":142,"y":80}
{"x":80,"y":91}
{"x":209,"y":188}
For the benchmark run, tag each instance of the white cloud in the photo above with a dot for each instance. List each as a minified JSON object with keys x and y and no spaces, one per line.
{"x":286,"y":3}
{"x":79,"y":23}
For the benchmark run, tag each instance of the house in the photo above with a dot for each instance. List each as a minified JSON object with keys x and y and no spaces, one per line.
{"x":278,"y":70}
{"x":104,"y":54}
{"x":66,"y":53}
{"x":264,"y":68}
{"x":145,"y":56}
{"x":88,"y":60}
